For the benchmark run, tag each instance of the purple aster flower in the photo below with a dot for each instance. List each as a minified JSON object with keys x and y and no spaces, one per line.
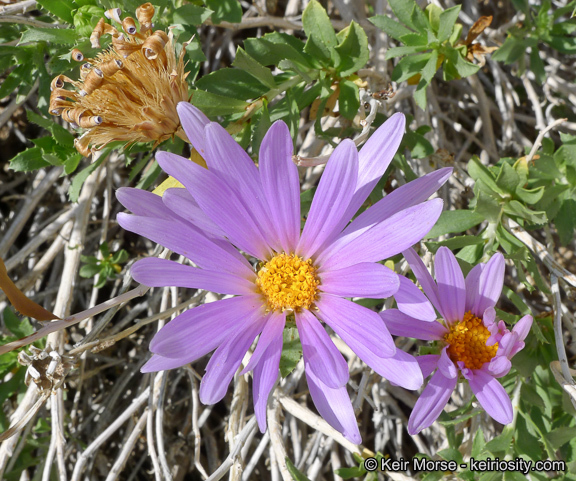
{"x":475,"y":345}
{"x":240,"y":225}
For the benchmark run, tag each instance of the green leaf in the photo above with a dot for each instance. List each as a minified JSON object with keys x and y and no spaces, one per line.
{"x":262,"y":124}
{"x":418,"y":145}
{"x":225,"y":10}
{"x":510,"y":51}
{"x":348,"y":473}
{"x":61,"y":135}
{"x":478,"y":444}
{"x":19,"y":76}
{"x":214,"y":104}
{"x":61,"y":8}
{"x":410,"y":14}
{"x":231,"y":83}
{"x":401,"y":51}
{"x":349,"y":99}
{"x":434,"y":12}
{"x":60,"y":36}
{"x":248,"y":64}
{"x":560,"y":436}
{"x":537,"y":65}
{"x":291,"y":351}
{"x":479,"y":172}
{"x":321,"y":36}
{"x":294,"y":472}
{"x":457,"y":66}
{"x":454,"y":221}
{"x":352,"y":50}
{"x":90,"y":270}
{"x":19,"y":327}
{"x":274,"y":47}
{"x":455,"y":243}
{"x":389,"y":26}
{"x":447,"y":21}
{"x":28,"y":160}
{"x":515,"y":208}
{"x":86,"y":18}
{"x":507,"y":178}
{"x":487,"y":207}
{"x":410,"y":66}
{"x":191,"y":15}
{"x":565,"y":221}
{"x":501,"y":443}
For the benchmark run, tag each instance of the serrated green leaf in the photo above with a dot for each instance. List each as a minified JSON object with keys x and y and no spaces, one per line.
{"x":19,"y":76}
{"x":214,"y":104}
{"x":451,"y":454}
{"x":352,"y":50}
{"x":248,"y":64}
{"x":453,"y":221}
{"x":456,"y":65}
{"x":291,"y":351}
{"x":19,"y":327}
{"x":391,"y":27}
{"x":60,"y":36}
{"x":225,"y":10}
{"x":275,"y":47}
{"x":479,"y":172}
{"x":189,"y":14}
{"x":321,"y":35}
{"x":501,"y":443}
{"x":262,"y":123}
{"x":447,"y":21}
{"x":515,"y":208}
{"x":455,"y":243}
{"x":80,"y":178}
{"x":61,"y":8}
{"x":488,"y":207}
{"x":418,"y":145}
{"x":349,"y":99}
{"x":28,"y":160}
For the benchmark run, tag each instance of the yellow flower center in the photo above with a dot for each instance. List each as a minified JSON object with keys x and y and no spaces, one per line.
{"x":467,"y":342}
{"x":288,"y":282}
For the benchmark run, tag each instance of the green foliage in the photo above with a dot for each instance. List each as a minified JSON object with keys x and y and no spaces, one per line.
{"x":106,"y":268}
{"x":541,"y":25}
{"x":431,"y":40}
{"x":291,"y":351}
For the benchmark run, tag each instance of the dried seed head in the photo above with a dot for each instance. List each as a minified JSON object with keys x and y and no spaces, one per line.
{"x":128,"y":92}
{"x":77,"y":55}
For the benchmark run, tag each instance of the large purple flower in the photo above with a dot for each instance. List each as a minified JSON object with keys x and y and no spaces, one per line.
{"x":474,"y":343}
{"x":235,"y":207}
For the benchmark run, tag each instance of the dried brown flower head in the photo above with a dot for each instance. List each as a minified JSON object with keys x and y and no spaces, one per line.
{"x":129,"y":92}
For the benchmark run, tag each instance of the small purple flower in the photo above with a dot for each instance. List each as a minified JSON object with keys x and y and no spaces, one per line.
{"x":235,"y":207}
{"x":474,"y":343}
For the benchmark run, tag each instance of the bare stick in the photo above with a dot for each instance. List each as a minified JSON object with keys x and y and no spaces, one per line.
{"x":540,"y":137}
{"x":18,"y":7}
{"x":127,"y":448}
{"x":91,"y":449}
{"x":55,"y":326}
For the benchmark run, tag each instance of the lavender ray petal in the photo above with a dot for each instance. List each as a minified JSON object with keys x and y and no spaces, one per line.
{"x":200,"y":330}
{"x":374,"y":158}
{"x":235,"y":167}
{"x":412,"y":302}
{"x":144,"y":203}
{"x":186,"y":240}
{"x":334,"y":406}
{"x":431,"y":402}
{"x":331,"y":199}
{"x":446,"y":366}
{"x":158,"y":363}
{"x":423,"y":276}
{"x":428,"y":363}
{"x":265,"y":375}
{"x":473,"y":286}
{"x":154,"y":272}
{"x":401,"y":369}
{"x":362,"y":329}
{"x":220,"y":203}
{"x":180,"y":202}
{"x":366,"y":279}
{"x":193,"y":121}
{"x":320,"y":353}
{"x":408,"y":195}
{"x":451,"y":285}
{"x":491,"y":281}
{"x":492,"y":396}
{"x":400,"y":324}
{"x":385,"y":239}
{"x":281,"y":184}
{"x":274,"y":328}
{"x":226,"y":360}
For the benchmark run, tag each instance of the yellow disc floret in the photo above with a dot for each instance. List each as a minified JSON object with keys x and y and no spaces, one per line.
{"x":288,"y":282}
{"x":467,"y":342}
